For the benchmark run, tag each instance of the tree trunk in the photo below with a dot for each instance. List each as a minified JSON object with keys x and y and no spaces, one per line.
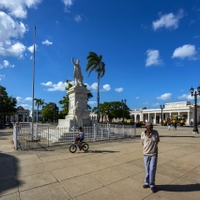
{"x":98,"y":99}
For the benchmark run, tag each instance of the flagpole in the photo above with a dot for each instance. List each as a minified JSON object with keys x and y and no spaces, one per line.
{"x":33,"y":80}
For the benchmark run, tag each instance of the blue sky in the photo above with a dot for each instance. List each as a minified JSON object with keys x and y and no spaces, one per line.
{"x":151,"y":48}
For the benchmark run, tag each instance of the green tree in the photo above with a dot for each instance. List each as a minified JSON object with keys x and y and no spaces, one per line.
{"x":7,"y":105}
{"x":50,"y":111}
{"x":113,"y":110}
{"x":95,"y":63}
{"x":38,"y":103}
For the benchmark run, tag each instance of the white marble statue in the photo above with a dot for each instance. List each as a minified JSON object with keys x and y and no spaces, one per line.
{"x":78,"y":115}
{"x":77,"y":73}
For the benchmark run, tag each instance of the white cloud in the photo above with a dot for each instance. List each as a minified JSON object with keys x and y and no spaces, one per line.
{"x":6,"y":64}
{"x":186,"y":51}
{"x":2,"y":77}
{"x":106,"y":87}
{"x":60,"y":86}
{"x":153,"y":58}
{"x":166,"y":96}
{"x":47,"y":42}
{"x":168,"y":21}
{"x":18,"y":8}
{"x":185,"y":96}
{"x":28,"y":99}
{"x":137,"y":97}
{"x":68,"y":4}
{"x":93,"y":86}
{"x":10,"y":32}
{"x":19,"y":99}
{"x":119,"y":89}
{"x":77,"y":18}
{"x":92,"y":102}
{"x":31,"y":48}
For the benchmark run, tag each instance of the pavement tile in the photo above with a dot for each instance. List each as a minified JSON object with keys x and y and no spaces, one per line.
{"x":51,"y":158}
{"x":80,"y":185}
{"x":7,"y":174}
{"x":52,"y":191}
{"x":14,"y":196}
{"x":99,"y":194}
{"x":58,"y":164}
{"x":31,"y":169}
{"x":128,"y":169}
{"x":67,"y":172}
{"x":28,"y":162}
{"x":107,"y":176}
{"x":91,"y":166}
{"x":130,"y":189}
{"x":36,"y":180}
{"x":26,"y":157}
{"x":7,"y":162}
{"x":8,"y":186}
{"x":167,"y":170}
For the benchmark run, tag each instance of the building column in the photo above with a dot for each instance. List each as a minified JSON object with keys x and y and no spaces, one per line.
{"x":154,"y":121}
{"x":188,"y":118}
{"x":142,"y":117}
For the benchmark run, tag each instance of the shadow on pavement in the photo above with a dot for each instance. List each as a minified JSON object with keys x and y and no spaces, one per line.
{"x":101,"y":151}
{"x":178,"y":136}
{"x":179,"y":188}
{"x":8,"y":174}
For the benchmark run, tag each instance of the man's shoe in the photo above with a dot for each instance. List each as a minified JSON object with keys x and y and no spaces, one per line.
{"x":145,"y":186}
{"x":153,"y":189}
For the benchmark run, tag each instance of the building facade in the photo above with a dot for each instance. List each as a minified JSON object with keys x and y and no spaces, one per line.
{"x":22,"y":115}
{"x":183,"y":109}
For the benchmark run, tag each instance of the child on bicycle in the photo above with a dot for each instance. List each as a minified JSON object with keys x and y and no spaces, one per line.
{"x":80,"y":137}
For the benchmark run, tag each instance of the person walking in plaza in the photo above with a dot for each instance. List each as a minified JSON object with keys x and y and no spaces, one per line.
{"x":175,"y":125}
{"x":150,"y":139}
{"x":168,"y":125}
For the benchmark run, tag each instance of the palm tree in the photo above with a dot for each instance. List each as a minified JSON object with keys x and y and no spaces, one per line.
{"x":38,"y":103}
{"x":95,"y":63}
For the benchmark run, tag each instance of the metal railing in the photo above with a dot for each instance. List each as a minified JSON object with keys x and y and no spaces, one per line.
{"x":41,"y":136}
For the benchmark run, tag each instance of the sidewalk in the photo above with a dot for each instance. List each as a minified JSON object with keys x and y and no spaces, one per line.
{"x":111,"y":170}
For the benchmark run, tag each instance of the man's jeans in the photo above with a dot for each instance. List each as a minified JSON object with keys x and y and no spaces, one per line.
{"x":150,"y":163}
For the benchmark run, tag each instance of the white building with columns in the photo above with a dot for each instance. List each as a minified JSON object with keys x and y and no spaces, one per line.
{"x":175,"y":109}
{"x":171,"y":110}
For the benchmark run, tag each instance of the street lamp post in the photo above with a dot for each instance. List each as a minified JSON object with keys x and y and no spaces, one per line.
{"x":195,"y":94}
{"x":123,"y":104}
{"x":162,"y":107}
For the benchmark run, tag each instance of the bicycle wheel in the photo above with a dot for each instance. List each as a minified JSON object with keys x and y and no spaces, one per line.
{"x":85,"y":146}
{"x":73,"y":148}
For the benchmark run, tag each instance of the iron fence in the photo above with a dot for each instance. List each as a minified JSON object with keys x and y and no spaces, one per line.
{"x":40,"y":136}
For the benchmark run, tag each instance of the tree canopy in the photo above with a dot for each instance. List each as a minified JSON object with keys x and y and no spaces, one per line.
{"x":113,"y":110}
{"x":50,"y":111}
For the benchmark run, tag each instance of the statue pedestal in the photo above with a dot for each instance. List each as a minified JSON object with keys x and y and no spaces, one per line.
{"x":78,"y":114}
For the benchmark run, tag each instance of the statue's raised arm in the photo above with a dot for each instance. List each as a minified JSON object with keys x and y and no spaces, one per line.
{"x":73,"y":61}
{"x":77,"y":73}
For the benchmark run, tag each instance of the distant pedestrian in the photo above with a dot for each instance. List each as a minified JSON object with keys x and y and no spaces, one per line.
{"x":168,"y":126}
{"x":149,"y":140}
{"x":175,"y":125}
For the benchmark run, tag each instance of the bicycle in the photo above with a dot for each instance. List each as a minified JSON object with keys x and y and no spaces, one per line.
{"x":73,"y":147}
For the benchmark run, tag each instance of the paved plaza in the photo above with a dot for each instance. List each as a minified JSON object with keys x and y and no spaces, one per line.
{"x":112,"y":170}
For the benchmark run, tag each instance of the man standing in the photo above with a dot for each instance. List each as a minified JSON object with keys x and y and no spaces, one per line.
{"x":149,"y":140}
